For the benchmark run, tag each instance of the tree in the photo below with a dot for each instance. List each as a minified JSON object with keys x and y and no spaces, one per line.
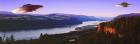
{"x":0,"y":39}
{"x":12,"y":39}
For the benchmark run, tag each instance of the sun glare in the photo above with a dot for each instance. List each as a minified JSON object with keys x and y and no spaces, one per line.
{"x":18,"y":11}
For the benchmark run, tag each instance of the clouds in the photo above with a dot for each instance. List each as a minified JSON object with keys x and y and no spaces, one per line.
{"x":27,"y":8}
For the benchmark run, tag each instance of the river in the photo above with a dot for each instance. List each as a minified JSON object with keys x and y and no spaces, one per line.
{"x":28,"y":34}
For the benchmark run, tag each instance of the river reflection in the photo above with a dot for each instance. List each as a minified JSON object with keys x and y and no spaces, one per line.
{"x":28,"y":34}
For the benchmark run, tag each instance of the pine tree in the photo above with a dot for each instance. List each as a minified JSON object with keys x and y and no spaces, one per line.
{"x":12,"y":38}
{"x":0,"y":39}
{"x":7,"y":40}
{"x":41,"y":36}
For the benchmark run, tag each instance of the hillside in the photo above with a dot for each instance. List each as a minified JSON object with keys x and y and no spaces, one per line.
{"x":124,"y":27}
{"x":11,"y":21}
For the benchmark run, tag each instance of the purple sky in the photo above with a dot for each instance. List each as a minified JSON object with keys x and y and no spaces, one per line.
{"x":99,"y":8}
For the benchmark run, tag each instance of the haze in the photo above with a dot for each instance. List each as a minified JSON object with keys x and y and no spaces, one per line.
{"x":98,"y":8}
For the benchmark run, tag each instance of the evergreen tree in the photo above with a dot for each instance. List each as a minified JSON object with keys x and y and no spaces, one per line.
{"x":41,"y":36}
{"x":0,"y":39}
{"x":12,"y":39}
{"x":7,"y":40}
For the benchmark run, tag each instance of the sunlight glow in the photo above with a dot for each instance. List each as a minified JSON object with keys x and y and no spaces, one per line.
{"x":19,"y":11}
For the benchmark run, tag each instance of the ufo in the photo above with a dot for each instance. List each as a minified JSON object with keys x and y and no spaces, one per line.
{"x":27,"y":8}
{"x":30,"y":7}
{"x":124,"y":4}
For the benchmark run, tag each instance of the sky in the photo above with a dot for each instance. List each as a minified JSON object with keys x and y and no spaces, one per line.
{"x":98,"y":8}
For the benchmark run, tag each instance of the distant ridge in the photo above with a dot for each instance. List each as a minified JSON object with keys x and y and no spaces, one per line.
{"x":11,"y":21}
{"x":5,"y":12}
{"x":52,"y":16}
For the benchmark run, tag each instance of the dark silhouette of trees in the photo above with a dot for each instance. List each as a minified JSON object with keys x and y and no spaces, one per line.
{"x":1,"y":40}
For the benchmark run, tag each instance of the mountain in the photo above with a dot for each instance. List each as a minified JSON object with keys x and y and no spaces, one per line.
{"x":79,"y":17}
{"x":26,"y":21}
{"x":54,"y":16}
{"x":17,"y":22}
{"x":106,"y":18}
{"x":5,"y":12}
{"x":124,"y":28}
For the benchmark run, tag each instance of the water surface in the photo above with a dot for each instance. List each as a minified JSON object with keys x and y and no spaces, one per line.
{"x":28,"y":34}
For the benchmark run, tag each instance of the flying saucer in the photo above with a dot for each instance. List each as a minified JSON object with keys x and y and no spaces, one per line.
{"x":30,"y":7}
{"x":27,"y":8}
{"x":124,"y":4}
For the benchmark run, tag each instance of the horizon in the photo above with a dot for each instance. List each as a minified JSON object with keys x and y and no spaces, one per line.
{"x":97,"y":8}
{"x":57,"y":13}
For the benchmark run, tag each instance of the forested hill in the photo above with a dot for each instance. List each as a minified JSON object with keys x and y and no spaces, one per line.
{"x":10,"y":21}
{"x":126,"y":27}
